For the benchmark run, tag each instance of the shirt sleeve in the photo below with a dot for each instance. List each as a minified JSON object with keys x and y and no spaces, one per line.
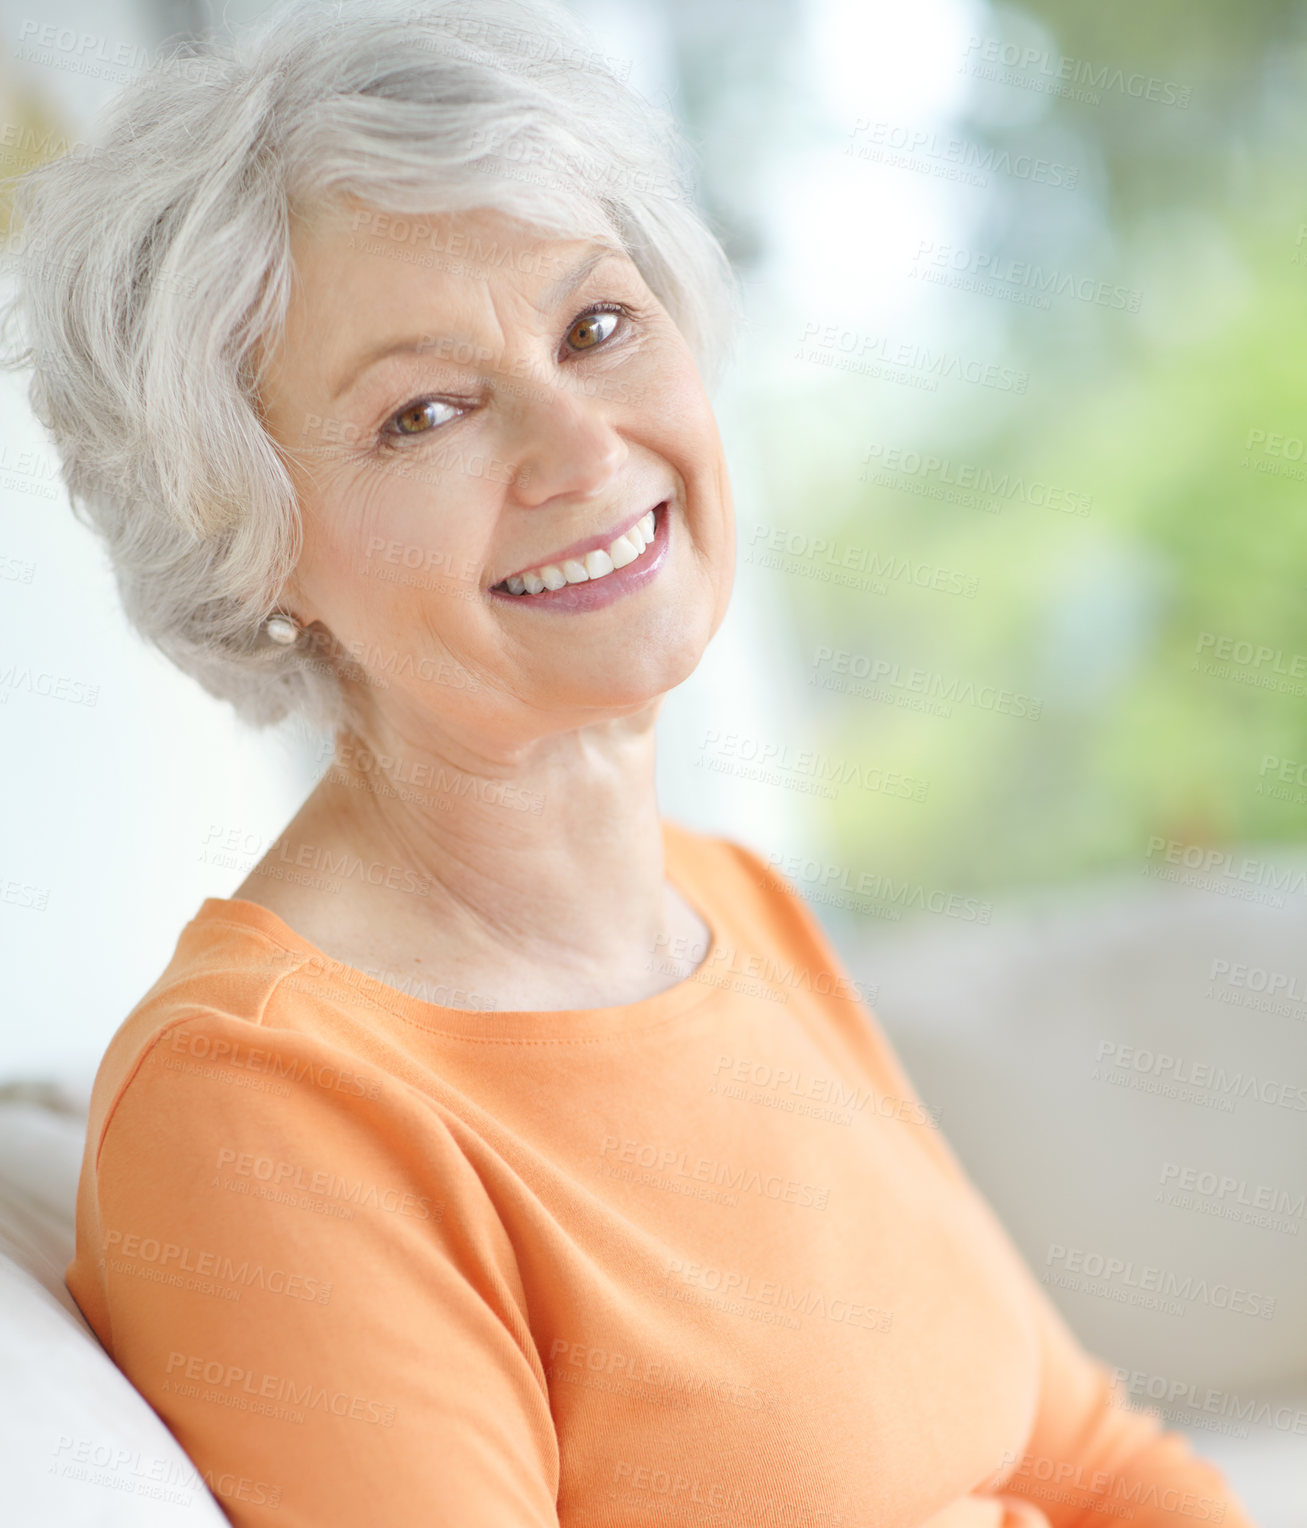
{"x":307,"y":1279}
{"x":1091,"y":1458}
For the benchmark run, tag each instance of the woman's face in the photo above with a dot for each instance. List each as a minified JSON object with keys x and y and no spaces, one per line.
{"x":461,"y":399}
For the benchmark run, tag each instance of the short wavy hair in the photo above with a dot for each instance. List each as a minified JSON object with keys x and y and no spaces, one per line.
{"x":156,"y":263}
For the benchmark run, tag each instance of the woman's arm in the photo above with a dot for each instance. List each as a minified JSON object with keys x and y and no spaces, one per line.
{"x":306,"y":1278}
{"x":1090,"y":1459}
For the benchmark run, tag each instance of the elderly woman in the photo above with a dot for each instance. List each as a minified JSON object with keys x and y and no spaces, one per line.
{"x":500,"y":1154}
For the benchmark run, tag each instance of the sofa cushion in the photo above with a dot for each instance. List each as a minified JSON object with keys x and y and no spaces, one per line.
{"x":82,"y":1449}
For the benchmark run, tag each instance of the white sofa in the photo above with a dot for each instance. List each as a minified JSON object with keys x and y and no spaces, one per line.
{"x":82,"y":1449}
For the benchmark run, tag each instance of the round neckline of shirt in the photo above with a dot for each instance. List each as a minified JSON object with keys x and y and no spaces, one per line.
{"x":493,"y":1024}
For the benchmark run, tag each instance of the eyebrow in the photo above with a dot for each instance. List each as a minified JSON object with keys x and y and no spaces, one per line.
{"x":419,"y":344}
{"x":570,"y":280}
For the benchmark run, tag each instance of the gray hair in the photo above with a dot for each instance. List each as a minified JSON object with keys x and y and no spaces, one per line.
{"x":156,"y":264}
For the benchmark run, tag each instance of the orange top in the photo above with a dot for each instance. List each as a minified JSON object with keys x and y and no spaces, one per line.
{"x":702,"y":1258}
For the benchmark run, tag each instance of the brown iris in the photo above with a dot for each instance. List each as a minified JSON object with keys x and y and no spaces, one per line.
{"x":589,"y":328}
{"x":412,"y":421}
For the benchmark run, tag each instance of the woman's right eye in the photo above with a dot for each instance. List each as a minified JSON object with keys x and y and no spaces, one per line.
{"x":420,"y":417}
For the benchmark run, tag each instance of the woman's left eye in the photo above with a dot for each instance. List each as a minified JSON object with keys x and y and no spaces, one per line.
{"x":595,"y":326}
{"x":420,"y":417}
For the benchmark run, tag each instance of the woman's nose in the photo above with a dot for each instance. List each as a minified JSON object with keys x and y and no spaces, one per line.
{"x":564,"y":445}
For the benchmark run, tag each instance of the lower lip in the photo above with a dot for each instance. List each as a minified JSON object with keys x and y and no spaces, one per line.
{"x":597,"y":592}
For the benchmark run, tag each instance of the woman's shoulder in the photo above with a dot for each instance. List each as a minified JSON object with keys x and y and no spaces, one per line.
{"x":749,"y":887}
{"x":715,"y":861}
{"x":211,"y":1011}
{"x":226,"y":962}
{"x":773,"y":922}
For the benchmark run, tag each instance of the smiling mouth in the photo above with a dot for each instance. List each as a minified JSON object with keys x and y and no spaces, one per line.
{"x":623,"y":550}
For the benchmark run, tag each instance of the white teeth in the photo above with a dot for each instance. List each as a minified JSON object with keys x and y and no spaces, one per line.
{"x":597,"y":564}
{"x":621,"y":552}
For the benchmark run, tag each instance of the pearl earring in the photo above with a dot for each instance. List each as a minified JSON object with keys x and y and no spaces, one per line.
{"x":282,"y":629}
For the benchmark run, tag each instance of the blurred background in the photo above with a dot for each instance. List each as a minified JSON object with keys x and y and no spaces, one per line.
{"x":1014,"y":686}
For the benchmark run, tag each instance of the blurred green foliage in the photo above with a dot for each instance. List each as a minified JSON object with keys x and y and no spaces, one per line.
{"x":1197,"y":530}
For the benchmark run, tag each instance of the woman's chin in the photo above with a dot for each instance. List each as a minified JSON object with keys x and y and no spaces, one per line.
{"x":635,"y":685}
